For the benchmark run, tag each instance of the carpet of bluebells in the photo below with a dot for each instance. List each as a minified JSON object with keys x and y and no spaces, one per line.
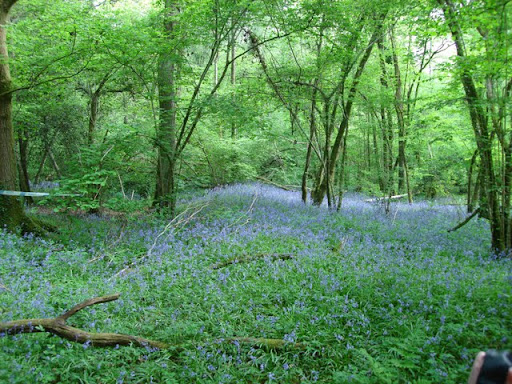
{"x":371,"y":298}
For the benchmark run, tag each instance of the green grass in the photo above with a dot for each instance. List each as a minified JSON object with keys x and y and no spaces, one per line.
{"x":373,"y":299}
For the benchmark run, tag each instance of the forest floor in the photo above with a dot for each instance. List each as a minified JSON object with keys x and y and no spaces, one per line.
{"x":355,"y":296}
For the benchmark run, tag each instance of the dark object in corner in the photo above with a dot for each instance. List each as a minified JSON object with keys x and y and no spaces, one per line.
{"x":495,"y":368}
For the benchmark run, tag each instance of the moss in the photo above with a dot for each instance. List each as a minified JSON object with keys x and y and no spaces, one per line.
{"x":14,"y":219}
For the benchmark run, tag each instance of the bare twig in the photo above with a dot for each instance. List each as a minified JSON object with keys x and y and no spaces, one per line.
{"x":179,"y":221}
{"x":246,"y":214}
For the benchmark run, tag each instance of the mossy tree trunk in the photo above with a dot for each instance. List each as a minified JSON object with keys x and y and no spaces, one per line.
{"x":488,"y":119}
{"x":165,"y":193}
{"x":11,"y":211}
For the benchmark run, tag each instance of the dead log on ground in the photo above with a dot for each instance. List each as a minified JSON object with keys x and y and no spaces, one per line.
{"x":248,"y":259}
{"x":266,"y":343}
{"x":58,"y":326}
{"x":289,"y":188}
{"x":379,"y":199}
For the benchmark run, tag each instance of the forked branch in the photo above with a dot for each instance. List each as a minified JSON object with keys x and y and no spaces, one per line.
{"x":58,"y":326}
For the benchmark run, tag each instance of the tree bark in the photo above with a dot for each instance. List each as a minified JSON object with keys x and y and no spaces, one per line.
{"x":58,"y":326}
{"x":470,"y":201}
{"x":233,"y":77}
{"x":309,"y":151}
{"x":325,"y":179}
{"x":403,"y":174}
{"x":12,"y":216}
{"x":165,"y":194}
{"x":23,"y":164}
{"x":489,"y":186}
{"x":93,"y":116}
{"x":386,"y":127}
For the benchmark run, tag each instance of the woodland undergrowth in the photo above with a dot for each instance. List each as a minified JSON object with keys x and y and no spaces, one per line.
{"x":373,"y":298}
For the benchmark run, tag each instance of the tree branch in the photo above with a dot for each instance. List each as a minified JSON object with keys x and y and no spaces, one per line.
{"x":88,"y":303}
{"x":248,"y":259}
{"x":466,"y":220}
{"x":58,"y":326}
{"x":33,"y":85}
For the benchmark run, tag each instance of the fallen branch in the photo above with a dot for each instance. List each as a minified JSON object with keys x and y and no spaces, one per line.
{"x":266,"y":343}
{"x":248,"y":259}
{"x":466,"y":220}
{"x":290,"y":188}
{"x":379,"y":199}
{"x":58,"y":326}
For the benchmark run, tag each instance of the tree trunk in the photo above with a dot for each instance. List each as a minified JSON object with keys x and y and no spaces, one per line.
{"x":95,"y":106}
{"x":386,"y":126}
{"x":489,"y":185}
{"x":325,"y":179}
{"x":41,"y":166}
{"x":93,"y":116}
{"x":341,"y":181}
{"x":309,"y":152}
{"x":12,"y":216}
{"x":376,"y":155}
{"x":470,"y":201}
{"x":403,"y":174}
{"x":233,"y":77}
{"x":165,"y":193}
{"x":55,"y":165}
{"x":23,"y":164}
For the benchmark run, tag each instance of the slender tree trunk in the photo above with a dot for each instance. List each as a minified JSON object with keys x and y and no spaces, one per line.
{"x":94,"y":108}
{"x":368,"y":150}
{"x":233,"y":77}
{"x":470,"y":201}
{"x":376,"y":156}
{"x":387,"y":124}
{"x":403,"y":174}
{"x":55,"y":165}
{"x":93,"y":117}
{"x":41,"y":166}
{"x":309,"y":152}
{"x":325,"y":179}
{"x":23,"y":165}
{"x":341,"y":166}
{"x":216,"y":70}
